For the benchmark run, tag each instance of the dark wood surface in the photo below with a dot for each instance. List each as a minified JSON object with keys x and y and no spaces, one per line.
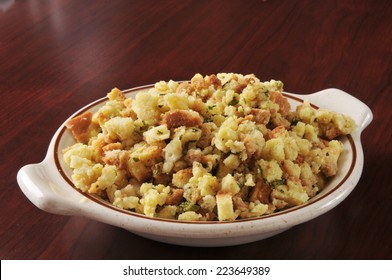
{"x":57,"y":56}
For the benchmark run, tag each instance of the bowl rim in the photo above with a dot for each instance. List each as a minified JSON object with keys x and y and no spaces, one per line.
{"x":319,"y":198}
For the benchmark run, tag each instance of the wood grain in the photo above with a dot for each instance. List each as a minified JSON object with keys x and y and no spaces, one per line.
{"x":57,"y":56}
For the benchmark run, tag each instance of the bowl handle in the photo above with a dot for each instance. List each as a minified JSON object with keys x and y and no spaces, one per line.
{"x":344,"y":103}
{"x":39,"y":188}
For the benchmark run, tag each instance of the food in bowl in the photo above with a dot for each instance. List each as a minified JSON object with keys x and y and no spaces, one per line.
{"x":221,"y":147}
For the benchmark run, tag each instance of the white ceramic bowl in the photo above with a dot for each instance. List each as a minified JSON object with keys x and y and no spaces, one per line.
{"x":49,"y":187}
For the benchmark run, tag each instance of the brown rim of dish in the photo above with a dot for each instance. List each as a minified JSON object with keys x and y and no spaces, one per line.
{"x":129,"y":212}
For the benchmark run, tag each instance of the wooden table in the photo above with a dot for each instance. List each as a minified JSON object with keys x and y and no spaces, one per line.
{"x":57,"y":56}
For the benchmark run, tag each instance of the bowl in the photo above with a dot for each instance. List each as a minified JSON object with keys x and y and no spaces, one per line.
{"x":48,"y":186}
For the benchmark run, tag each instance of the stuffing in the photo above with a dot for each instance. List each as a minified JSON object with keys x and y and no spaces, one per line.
{"x":217,"y":148}
{"x":146,"y":107}
{"x":330,"y":156}
{"x":118,"y":128}
{"x":299,"y":129}
{"x":274,"y":149}
{"x":332,"y":125}
{"x":112,"y":108}
{"x":260,"y":116}
{"x":175,"y":197}
{"x":147,"y":153}
{"x":138,"y":170}
{"x":278,"y":98}
{"x":208,"y":184}
{"x":208,"y":202}
{"x":252,"y":138}
{"x":225,"y":209}
{"x":192,"y":193}
{"x":291,"y":168}
{"x":125,"y":202}
{"x":328,"y":124}
{"x":293,"y":193}
{"x":116,"y":157}
{"x":232,"y":162}
{"x":76,"y":151}
{"x":152,"y":196}
{"x":254,"y":209}
{"x":168,"y":212}
{"x":177,"y":101}
{"x":207,"y":132}
{"x":177,"y":118}
{"x":82,"y":127}
{"x":310,"y":133}
{"x":270,"y":170}
{"x":156,"y":134}
{"x":290,"y":148}
{"x":229,"y":185}
{"x":85,"y":173}
{"x":226,"y":135}
{"x":305,"y":112}
{"x":181,"y":177}
{"x":106,"y":179}
{"x":190,"y":216}
{"x":187,"y":134}
{"x":141,"y":157}
{"x":261,"y":192}
{"x":173,"y":152}
{"x":116,"y":94}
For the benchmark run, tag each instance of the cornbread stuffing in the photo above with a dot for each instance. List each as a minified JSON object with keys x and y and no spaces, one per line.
{"x":220,"y":147}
